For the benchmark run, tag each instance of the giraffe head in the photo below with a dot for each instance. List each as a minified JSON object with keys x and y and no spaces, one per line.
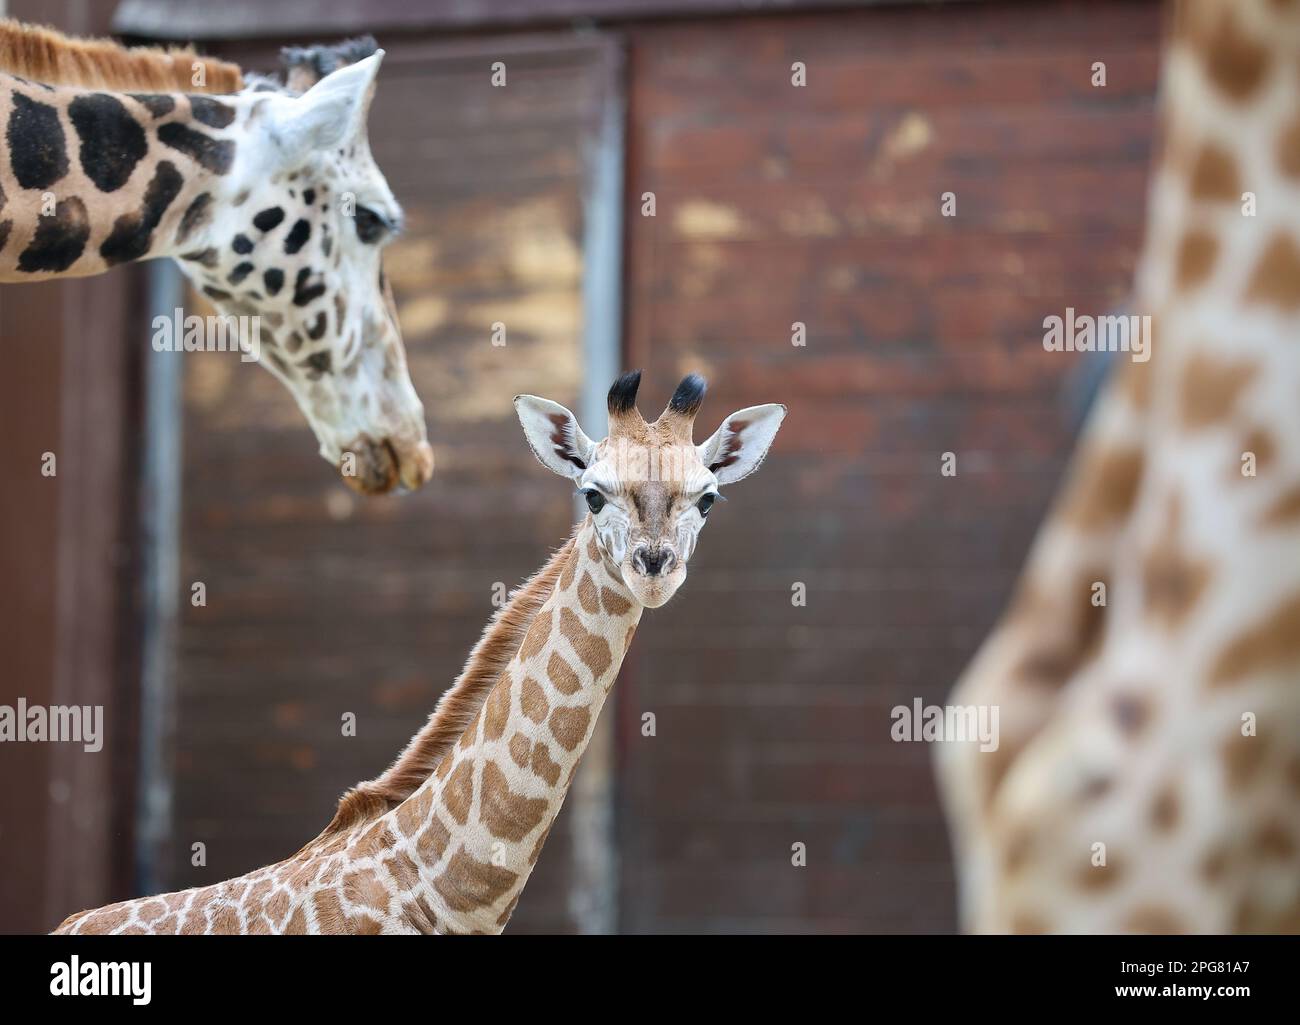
{"x":292,"y":232}
{"x":648,"y":486}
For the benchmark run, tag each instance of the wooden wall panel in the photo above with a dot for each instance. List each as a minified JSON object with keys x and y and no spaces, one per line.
{"x":822,"y":205}
{"x":320,"y":602}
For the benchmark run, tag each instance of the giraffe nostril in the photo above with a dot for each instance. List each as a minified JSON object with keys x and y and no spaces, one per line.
{"x":653,"y":561}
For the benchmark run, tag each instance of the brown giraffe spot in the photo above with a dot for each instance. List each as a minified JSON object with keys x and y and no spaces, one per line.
{"x":506,"y":814}
{"x":1284,"y":510}
{"x":561,"y":674}
{"x":405,"y":872}
{"x":1173,"y":581}
{"x":1214,"y":865}
{"x":1260,"y":443}
{"x":413,"y":812}
{"x":1103,"y":489}
{"x":615,"y":604}
{"x":1214,"y":175}
{"x":364,"y":887}
{"x":570,"y":568}
{"x":1165,"y":809}
{"x":379,"y":837}
{"x":537,"y":847}
{"x":257,"y":895}
{"x":433,"y":842}
{"x":1132,"y":712}
{"x":519,"y":749}
{"x":533,"y":700}
{"x":329,"y":911}
{"x":1276,"y":278}
{"x":108,"y":919}
{"x":593,"y":552}
{"x":364,"y":925}
{"x":444,"y":766}
{"x":151,"y":910}
{"x":277,"y":907}
{"x":167,"y":926}
{"x":195,"y":923}
{"x":1211,"y":388}
{"x":1095,"y":787}
{"x":469,"y":884}
{"x":496,"y":710}
{"x":1288,"y":150}
{"x":134,"y":930}
{"x":1015,"y":854}
{"x":1092,"y":878}
{"x":226,"y":921}
{"x":458,"y":794}
{"x":1196,"y":255}
{"x":422,"y":916}
{"x":570,"y":726}
{"x":1153,"y":919}
{"x":504,"y":917}
{"x":470,"y":737}
{"x":1063,"y":638}
{"x":1028,"y":923}
{"x":627,"y":641}
{"x":1242,"y":758}
{"x":538,"y":634}
{"x":1275,"y":918}
{"x":1135,"y":378}
{"x":297,"y":923}
{"x":1293,"y":772}
{"x":593,"y":650}
{"x":1270,"y":645}
{"x":543,"y":766}
{"x":1273,"y":841}
{"x":588,"y":596}
{"x":1234,"y":63}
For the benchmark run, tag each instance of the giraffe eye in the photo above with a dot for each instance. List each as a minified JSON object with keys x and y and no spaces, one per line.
{"x":705,"y":503}
{"x":595,"y":500}
{"x":370,"y":226}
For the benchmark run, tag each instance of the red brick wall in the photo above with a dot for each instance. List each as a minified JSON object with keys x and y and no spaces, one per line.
{"x":822,"y":205}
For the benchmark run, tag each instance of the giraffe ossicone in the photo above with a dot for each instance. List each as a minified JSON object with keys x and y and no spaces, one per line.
{"x":269,"y":200}
{"x":446,"y":838}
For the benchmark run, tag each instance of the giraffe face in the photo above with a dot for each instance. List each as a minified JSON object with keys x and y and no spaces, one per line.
{"x":298,"y":242}
{"x":648,"y":488}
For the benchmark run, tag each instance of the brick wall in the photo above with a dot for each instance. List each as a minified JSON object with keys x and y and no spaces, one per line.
{"x":822,"y":205}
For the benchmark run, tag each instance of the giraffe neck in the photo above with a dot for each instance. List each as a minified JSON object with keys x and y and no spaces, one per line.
{"x":477,"y":825}
{"x":91,"y":179}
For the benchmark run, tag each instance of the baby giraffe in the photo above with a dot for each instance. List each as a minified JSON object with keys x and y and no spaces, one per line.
{"x":445,"y":839}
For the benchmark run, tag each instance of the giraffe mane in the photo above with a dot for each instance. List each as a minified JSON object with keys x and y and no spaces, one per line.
{"x":459,"y":705}
{"x":45,"y":55}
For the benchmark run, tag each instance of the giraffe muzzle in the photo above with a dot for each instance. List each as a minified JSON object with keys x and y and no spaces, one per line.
{"x":654,"y":562}
{"x":379,"y":467}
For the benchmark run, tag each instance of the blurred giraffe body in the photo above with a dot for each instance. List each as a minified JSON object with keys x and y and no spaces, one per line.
{"x":445,"y":840}
{"x":1148,"y":773}
{"x":270,"y":202}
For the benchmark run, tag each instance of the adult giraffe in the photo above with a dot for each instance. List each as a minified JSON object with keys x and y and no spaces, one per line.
{"x":1148,"y":773}
{"x":270,"y":202}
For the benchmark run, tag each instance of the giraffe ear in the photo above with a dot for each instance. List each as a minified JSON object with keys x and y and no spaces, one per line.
{"x":554,"y":436}
{"x":739,"y":445}
{"x":327,"y":115}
